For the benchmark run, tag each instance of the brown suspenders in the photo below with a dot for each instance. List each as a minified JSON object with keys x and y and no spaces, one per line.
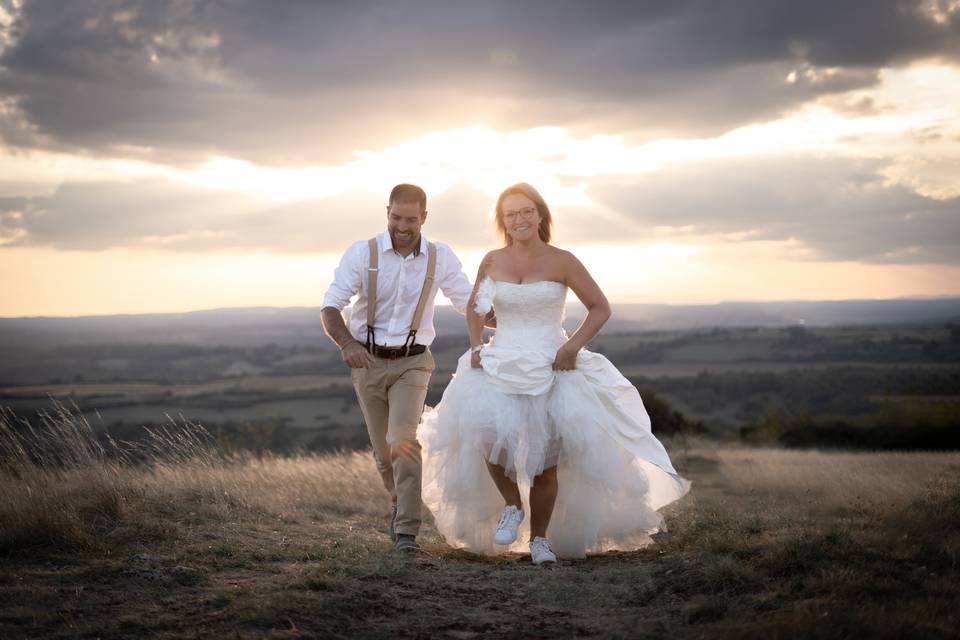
{"x":421,"y":303}
{"x":372,"y":289}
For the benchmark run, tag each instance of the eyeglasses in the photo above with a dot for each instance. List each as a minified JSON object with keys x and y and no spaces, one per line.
{"x":527,"y":213}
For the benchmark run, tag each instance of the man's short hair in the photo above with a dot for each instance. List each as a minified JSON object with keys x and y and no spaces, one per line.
{"x":409,"y":193}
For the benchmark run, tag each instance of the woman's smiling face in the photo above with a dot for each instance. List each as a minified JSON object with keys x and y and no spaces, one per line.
{"x":520,"y":216}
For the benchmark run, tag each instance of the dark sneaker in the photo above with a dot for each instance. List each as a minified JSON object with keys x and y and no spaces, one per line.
{"x":407,"y":543}
{"x":393,"y":521}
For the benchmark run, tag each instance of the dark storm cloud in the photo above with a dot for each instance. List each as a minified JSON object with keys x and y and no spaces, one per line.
{"x":290,"y":81}
{"x":842,"y":210}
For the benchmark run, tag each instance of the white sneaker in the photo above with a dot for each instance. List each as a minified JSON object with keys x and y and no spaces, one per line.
{"x":510,"y":519}
{"x":540,"y":551}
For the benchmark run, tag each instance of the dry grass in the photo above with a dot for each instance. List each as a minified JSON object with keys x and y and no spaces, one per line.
{"x":174,"y":539}
{"x":873,"y":485}
{"x":63,"y":489}
{"x":146,"y":390}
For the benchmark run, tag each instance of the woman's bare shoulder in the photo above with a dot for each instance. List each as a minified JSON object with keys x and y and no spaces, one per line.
{"x":492,"y":256}
{"x":489,"y":259}
{"x":562,"y":256}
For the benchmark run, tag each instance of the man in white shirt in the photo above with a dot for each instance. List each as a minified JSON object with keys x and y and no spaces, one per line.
{"x":390,"y":359}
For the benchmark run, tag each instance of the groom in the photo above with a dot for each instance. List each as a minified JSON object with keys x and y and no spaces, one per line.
{"x":397,"y":275}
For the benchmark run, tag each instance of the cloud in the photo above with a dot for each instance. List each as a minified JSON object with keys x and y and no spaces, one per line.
{"x":290,"y":82}
{"x":170,"y":215}
{"x":838,"y":209}
{"x":828,"y":208}
{"x":462,"y":216}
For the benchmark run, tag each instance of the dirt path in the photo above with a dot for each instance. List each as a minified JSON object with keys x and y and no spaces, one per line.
{"x":733,"y":564}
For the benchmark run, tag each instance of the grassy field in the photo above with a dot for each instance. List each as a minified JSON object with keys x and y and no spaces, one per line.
{"x":192,"y":543}
{"x":295,"y":394}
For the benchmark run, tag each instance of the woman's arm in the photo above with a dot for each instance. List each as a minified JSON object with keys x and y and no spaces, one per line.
{"x":476,"y":321}
{"x":598,"y":312}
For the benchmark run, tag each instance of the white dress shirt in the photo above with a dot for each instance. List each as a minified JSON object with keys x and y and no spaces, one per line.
{"x":399,"y":282}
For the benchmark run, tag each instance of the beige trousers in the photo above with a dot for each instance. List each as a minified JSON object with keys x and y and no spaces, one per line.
{"x":391,"y":395}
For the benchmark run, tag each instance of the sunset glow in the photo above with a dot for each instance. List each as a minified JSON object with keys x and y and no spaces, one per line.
{"x":874,"y":153}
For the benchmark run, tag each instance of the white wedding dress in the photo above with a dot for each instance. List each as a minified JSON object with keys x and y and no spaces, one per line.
{"x":516,"y":411}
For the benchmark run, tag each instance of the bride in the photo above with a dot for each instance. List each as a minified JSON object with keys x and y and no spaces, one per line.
{"x":533,"y":410}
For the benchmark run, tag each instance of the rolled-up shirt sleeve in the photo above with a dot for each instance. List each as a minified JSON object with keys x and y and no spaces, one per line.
{"x":347,"y":278}
{"x":454,"y":282}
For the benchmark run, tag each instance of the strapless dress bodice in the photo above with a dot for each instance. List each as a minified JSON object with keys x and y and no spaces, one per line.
{"x":529,"y":314}
{"x":519,"y":358}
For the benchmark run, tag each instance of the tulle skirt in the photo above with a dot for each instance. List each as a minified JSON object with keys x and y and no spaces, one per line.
{"x":613,"y":474}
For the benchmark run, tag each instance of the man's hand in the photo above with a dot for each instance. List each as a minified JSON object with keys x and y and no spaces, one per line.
{"x":353,"y":352}
{"x":475,"y":360}
{"x":356,"y":356}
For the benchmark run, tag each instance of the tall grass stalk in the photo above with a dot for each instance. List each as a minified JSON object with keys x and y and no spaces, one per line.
{"x":63,"y":487}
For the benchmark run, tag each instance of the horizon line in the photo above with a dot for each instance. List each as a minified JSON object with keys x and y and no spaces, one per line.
{"x":446,"y":303}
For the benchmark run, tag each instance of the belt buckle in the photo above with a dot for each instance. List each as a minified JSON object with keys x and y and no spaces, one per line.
{"x":394,"y":354}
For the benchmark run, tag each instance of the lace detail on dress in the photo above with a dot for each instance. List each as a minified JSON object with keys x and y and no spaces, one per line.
{"x":529,"y":315}
{"x":529,"y":331}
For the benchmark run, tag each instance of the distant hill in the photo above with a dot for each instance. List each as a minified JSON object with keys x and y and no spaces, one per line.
{"x":301,"y":325}
{"x":638,"y":317}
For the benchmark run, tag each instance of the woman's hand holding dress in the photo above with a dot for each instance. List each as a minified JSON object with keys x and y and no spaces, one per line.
{"x":566,"y":359}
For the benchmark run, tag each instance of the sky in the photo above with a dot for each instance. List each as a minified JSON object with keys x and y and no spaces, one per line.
{"x":177,"y":155}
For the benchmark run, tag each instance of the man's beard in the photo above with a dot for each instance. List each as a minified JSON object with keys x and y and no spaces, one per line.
{"x":404,"y":241}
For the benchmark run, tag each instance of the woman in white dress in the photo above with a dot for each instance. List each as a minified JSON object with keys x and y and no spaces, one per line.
{"x":534,"y":423}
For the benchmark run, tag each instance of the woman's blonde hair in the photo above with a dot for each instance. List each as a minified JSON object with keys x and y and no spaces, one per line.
{"x":546,"y":221}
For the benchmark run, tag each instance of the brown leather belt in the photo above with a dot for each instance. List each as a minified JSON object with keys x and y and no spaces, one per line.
{"x":393,"y":353}
{"x":370,"y":343}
